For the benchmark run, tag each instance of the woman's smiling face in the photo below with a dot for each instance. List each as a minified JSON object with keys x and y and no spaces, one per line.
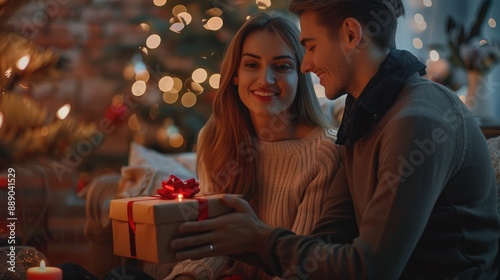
{"x":267,"y":75}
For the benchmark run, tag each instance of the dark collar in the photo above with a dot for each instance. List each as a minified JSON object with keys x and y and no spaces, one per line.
{"x":378,"y":96}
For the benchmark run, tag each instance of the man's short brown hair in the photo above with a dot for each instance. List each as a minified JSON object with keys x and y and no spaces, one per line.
{"x":378,"y":17}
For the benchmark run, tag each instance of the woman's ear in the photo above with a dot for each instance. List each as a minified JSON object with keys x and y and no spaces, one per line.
{"x":235,"y":80}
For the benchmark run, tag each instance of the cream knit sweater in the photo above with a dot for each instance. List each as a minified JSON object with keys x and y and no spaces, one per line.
{"x":294,"y":176}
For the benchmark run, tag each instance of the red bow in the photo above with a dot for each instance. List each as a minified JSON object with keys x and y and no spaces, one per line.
{"x":173,"y":187}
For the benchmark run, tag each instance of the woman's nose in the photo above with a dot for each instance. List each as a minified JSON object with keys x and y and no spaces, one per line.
{"x":267,"y":75}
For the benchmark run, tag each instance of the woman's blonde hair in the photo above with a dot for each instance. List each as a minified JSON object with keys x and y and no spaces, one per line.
{"x":228,"y":148}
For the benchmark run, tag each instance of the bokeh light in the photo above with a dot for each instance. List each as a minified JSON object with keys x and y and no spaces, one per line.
{"x":23,"y":62}
{"x":176,"y":140}
{"x":139,"y":88}
{"x":177,"y":85}
{"x":179,"y":9}
{"x":214,"y":12}
{"x":185,"y":17}
{"x":263,"y":4}
{"x":170,"y":97}
{"x":144,"y":27}
{"x":422,"y":25}
{"x":434,"y":55}
{"x":492,"y":23}
{"x":63,"y":112}
{"x":214,"y":81}
{"x":166,"y":83}
{"x":199,"y":75}
{"x":214,"y":23}
{"x":133,"y":123}
{"x":193,"y":86}
{"x":417,"y":43}
{"x":153,"y":41}
{"x":160,"y":3}
{"x":419,"y":18}
{"x":188,"y":99}
{"x":176,"y":25}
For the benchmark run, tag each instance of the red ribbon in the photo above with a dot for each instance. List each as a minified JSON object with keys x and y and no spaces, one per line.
{"x":173,"y":187}
{"x":131,"y":228}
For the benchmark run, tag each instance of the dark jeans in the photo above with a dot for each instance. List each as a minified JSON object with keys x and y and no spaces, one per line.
{"x":73,"y":271}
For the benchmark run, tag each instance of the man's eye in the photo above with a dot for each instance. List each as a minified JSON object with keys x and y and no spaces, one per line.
{"x":311,"y":48}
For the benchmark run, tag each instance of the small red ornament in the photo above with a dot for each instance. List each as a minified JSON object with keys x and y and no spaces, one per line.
{"x":3,"y":183}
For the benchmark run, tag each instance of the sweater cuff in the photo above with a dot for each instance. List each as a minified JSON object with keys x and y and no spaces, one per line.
{"x":271,"y":261}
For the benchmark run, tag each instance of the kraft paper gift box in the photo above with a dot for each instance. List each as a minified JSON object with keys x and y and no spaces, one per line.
{"x":156,"y":222}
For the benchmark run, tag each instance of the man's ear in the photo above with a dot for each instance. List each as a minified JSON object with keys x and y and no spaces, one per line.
{"x":352,"y":33}
{"x":235,"y":80}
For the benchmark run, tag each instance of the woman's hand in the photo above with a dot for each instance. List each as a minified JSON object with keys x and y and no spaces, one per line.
{"x":234,"y":233}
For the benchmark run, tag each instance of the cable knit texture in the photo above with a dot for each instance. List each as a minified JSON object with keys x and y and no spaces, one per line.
{"x":494,"y":146}
{"x":295,"y":176}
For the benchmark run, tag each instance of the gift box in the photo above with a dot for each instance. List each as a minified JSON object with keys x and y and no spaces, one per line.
{"x":144,"y":226}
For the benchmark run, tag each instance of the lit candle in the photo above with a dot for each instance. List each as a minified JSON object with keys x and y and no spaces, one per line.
{"x":44,"y":273}
{"x":179,"y":197}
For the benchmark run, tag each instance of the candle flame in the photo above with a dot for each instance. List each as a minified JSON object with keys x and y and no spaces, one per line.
{"x":179,"y":197}
{"x":42,"y":266}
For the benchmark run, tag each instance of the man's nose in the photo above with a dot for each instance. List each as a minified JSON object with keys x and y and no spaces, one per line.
{"x":306,"y":65}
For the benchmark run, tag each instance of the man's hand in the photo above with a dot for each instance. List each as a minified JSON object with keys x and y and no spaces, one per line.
{"x":234,"y":233}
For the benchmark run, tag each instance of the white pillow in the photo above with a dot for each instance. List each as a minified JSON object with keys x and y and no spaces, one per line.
{"x":147,"y":169}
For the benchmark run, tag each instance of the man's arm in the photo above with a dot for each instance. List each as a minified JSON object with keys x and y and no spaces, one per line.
{"x":392,"y":222}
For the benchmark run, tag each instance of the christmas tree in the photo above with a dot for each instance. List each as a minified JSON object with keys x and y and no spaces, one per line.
{"x":27,"y":131}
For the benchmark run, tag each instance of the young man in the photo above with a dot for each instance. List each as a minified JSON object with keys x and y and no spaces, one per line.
{"x":415,"y":196}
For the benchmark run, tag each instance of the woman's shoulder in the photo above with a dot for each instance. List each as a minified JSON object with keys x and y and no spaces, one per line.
{"x":325,"y":139}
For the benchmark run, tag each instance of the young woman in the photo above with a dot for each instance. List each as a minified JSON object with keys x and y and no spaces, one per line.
{"x":266,"y":139}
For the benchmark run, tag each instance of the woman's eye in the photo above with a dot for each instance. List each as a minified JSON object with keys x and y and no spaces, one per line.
{"x":311,"y":48}
{"x":251,"y":65}
{"x":284,"y":67}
